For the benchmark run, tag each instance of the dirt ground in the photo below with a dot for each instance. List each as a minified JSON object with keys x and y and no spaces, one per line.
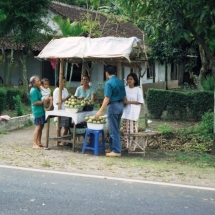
{"x":16,"y":150}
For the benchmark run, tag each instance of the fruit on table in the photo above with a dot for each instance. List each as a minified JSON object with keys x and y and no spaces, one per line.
{"x":92,"y":119}
{"x":73,"y":102}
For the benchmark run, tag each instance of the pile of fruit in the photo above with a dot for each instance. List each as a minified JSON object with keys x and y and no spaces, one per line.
{"x":73,"y":102}
{"x":92,"y":119}
{"x":88,"y":102}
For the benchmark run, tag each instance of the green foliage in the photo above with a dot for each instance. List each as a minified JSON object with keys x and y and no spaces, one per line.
{"x":170,"y":22}
{"x":204,"y":130}
{"x":198,"y":138}
{"x":157,"y":101}
{"x":3,"y":95}
{"x":199,"y":159}
{"x":68,"y":29}
{"x":18,"y":105}
{"x":208,"y":83}
{"x":99,"y":91}
{"x":11,"y":93}
{"x":24,"y":24}
{"x":165,"y":129}
{"x":29,"y":123}
{"x":179,"y":105}
{"x":3,"y":132}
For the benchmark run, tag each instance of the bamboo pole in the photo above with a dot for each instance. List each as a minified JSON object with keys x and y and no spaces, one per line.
{"x":83,"y":70}
{"x":60,"y":95}
{"x":119,"y":70}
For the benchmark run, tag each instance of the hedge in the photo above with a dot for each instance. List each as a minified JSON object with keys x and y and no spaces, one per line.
{"x":3,"y":95}
{"x":12,"y":92}
{"x":179,"y":105}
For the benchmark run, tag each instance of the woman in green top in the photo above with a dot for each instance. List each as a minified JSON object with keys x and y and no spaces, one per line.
{"x":85,"y":91}
{"x":37,"y":110}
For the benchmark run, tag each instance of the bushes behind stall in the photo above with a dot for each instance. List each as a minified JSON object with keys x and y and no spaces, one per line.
{"x":7,"y":95}
{"x":3,"y":94}
{"x":11,"y":93}
{"x":179,"y":105}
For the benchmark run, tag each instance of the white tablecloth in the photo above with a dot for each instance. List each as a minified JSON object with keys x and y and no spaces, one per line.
{"x":77,"y":117}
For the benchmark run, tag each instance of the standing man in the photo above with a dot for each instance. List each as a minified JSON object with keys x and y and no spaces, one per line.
{"x":114,"y":94}
{"x":37,"y":110}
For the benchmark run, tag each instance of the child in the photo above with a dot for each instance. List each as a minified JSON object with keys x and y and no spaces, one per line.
{"x":46,"y":94}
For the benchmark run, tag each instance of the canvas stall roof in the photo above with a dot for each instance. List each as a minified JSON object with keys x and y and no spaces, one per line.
{"x":82,"y":47}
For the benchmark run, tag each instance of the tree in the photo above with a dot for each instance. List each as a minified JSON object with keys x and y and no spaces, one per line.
{"x":189,"y":19}
{"x":68,"y":29}
{"x":23,"y":24}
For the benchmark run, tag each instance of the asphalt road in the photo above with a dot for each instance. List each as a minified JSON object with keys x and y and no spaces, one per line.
{"x":30,"y":192}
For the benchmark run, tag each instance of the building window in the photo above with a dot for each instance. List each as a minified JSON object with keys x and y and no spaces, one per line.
{"x":149,"y":71}
{"x":76,"y":72}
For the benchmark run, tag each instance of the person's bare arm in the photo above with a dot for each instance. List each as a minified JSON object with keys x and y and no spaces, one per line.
{"x":38,"y":103}
{"x":92,"y":97}
{"x":131,"y":102}
{"x":104,"y":105}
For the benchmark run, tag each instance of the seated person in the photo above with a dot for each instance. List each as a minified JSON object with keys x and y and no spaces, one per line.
{"x":85,"y":91}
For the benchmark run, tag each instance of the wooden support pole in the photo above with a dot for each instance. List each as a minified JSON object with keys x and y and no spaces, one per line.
{"x":60,"y":96}
{"x":119,"y":70}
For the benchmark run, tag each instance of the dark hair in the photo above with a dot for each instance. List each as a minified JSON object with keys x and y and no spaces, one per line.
{"x":57,"y":82}
{"x":111,"y":70}
{"x":134,"y":76}
{"x":85,"y":76}
{"x":44,"y":80}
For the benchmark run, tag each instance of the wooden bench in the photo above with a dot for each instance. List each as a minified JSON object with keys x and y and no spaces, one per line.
{"x":143,"y":139}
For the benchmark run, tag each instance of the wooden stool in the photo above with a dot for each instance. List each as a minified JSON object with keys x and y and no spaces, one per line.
{"x":143,"y":139}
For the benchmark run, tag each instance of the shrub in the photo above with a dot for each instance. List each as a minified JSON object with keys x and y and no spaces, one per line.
{"x":179,"y":105}
{"x":157,"y":101}
{"x":208,"y":83}
{"x":11,"y":92}
{"x":3,"y":95}
{"x":18,"y":106}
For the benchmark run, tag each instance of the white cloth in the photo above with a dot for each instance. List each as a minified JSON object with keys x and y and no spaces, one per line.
{"x":82,"y":47}
{"x":46,"y":92}
{"x":65,"y":94}
{"x":76,"y":117}
{"x":132,"y":111}
{"x":55,"y":99}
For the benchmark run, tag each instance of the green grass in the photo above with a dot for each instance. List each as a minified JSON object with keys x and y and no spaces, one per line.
{"x":46,"y":163}
{"x":165,"y":129}
{"x":197,"y":159}
{"x":3,"y":132}
{"x":162,"y":159}
{"x":12,"y":113}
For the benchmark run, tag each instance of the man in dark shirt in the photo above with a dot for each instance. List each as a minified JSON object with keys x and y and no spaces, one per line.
{"x":114,"y":94}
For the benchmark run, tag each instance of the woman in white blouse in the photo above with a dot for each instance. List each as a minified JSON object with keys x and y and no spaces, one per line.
{"x":64,"y":122}
{"x":134,"y":99}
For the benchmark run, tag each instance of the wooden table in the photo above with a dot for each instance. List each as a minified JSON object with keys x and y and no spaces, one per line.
{"x":76,"y":117}
{"x":142,"y":139}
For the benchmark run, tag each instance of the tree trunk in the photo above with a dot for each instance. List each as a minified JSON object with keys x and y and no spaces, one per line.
{"x":4,"y":67}
{"x":10,"y":70}
{"x":166,"y":79}
{"x":212,"y":63}
{"x":23,"y":60}
{"x":203,"y":69}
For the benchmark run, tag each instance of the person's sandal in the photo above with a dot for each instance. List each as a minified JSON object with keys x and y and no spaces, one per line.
{"x":63,"y":144}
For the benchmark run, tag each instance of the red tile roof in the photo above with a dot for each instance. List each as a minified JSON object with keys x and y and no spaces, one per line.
{"x":108,"y":28}
{"x":111,"y":28}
